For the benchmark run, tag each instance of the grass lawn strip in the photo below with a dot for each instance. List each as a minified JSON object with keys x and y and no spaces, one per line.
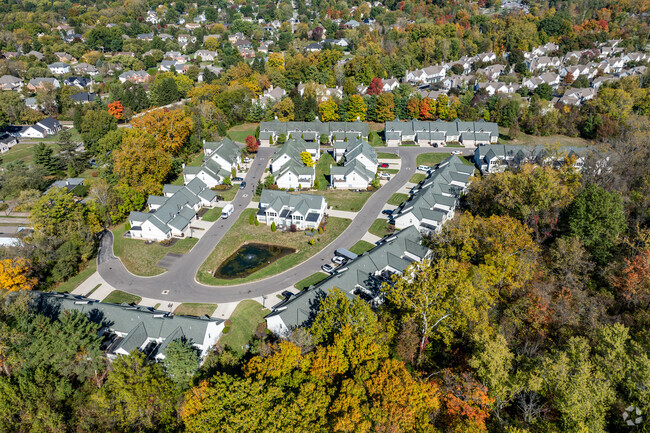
{"x":245,"y":319}
{"x":417,"y":178}
{"x":431,"y":159}
{"x":192,"y":309}
{"x":140,"y":258}
{"x":379,"y":227}
{"x":310,"y":280}
{"x":242,"y":231}
{"x":533,"y":140}
{"x":397,"y":199}
{"x":212,"y":215}
{"x":361,"y":247}
{"x":74,"y":282}
{"x":118,"y":297}
{"x":240,"y":132}
{"x":323,"y":169}
{"x":344,"y":199}
{"x":384,"y":155}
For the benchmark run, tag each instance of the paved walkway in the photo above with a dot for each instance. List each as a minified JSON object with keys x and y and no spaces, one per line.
{"x":342,"y":214}
{"x":369,"y":237}
{"x":179,"y":283}
{"x":90,"y":283}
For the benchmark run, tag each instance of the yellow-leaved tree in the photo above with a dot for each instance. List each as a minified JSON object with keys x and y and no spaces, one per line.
{"x":15,"y":275}
{"x":170,"y":128}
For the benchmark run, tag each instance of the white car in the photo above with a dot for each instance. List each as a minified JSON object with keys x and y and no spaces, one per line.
{"x":384,"y":175}
{"x":328,"y":268}
{"x":339,"y":260}
{"x":456,"y":152}
{"x":424,"y":167}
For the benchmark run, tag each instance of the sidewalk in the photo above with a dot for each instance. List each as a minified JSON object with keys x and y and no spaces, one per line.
{"x":342,"y":214}
{"x":369,"y":237}
{"x":90,"y":283}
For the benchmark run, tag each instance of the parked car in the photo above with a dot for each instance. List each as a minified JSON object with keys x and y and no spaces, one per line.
{"x":456,"y":152}
{"x":339,"y":260}
{"x":237,"y":179}
{"x":424,"y":167}
{"x":287,"y":294}
{"x":387,"y":211}
{"x":383,"y":165}
{"x":247,"y":159}
{"x":242,"y":185}
{"x":328,"y":268}
{"x":384,"y":175}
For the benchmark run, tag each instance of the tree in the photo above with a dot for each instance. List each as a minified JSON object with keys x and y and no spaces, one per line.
{"x":137,"y":396}
{"x":51,"y":213}
{"x":251,"y":144}
{"x":356,"y":108}
{"x":634,"y":281}
{"x":328,"y":111}
{"x":385,"y":109}
{"x":116,"y":110}
{"x":164,"y":92}
{"x":170,"y":128}
{"x":307,"y":159}
{"x":545,"y":91}
{"x":44,"y":156}
{"x":376,"y":87}
{"x":181,"y":362}
{"x":284,"y":110}
{"x":95,"y":125}
{"x":15,"y":274}
{"x":596,"y":217}
{"x":413,"y":108}
{"x":336,"y":311}
{"x":273,"y":227}
{"x":140,"y":164}
{"x":439,"y":296}
{"x":427,"y":109}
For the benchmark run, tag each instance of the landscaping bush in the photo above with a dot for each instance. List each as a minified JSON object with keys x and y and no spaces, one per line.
{"x":260,"y":331}
{"x":252,"y":220}
{"x":273,"y":227}
{"x":293,"y":228}
{"x":257,"y":222}
{"x":228,"y":323}
{"x":320,"y":230}
{"x":292,"y":189}
{"x":311,"y":241}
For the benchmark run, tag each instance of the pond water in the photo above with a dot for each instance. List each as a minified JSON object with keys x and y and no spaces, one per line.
{"x":250,"y":258}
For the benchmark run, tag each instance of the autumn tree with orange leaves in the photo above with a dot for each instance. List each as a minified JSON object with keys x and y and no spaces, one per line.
{"x":116,"y":109}
{"x":170,"y":128}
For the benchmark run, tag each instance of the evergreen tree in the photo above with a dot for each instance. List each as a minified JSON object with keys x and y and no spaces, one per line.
{"x":43,"y":156}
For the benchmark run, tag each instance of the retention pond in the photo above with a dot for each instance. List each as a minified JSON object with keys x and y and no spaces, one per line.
{"x":250,"y":258}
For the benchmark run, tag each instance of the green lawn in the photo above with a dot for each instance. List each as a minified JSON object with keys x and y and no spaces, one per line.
{"x":228,"y":194}
{"x":240,"y":132}
{"x":198,"y":310}
{"x":118,"y":296}
{"x":24,"y":150}
{"x":323,"y":169}
{"x":212,"y":215}
{"x":385,"y":155}
{"x":141,"y":258}
{"x":361,"y":247}
{"x":379,"y":227}
{"x":242,"y":231}
{"x":417,"y":178}
{"x":310,"y":280}
{"x":347,"y":200}
{"x":245,"y":319}
{"x":551,"y":140}
{"x":74,"y":282}
{"x":397,"y":198}
{"x":389,"y":170}
{"x":431,"y":159}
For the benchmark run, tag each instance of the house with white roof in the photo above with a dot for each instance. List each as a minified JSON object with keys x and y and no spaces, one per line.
{"x":306,"y":211}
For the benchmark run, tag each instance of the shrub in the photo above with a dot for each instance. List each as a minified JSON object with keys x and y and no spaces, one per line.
{"x":228,"y":323}
{"x":127,"y":226}
{"x":94,"y":174}
{"x":311,"y":242}
{"x":320,"y":230}
{"x":252,"y":219}
{"x":273,"y":227}
{"x":257,"y":222}
{"x":292,"y":189}
{"x":293,"y":228}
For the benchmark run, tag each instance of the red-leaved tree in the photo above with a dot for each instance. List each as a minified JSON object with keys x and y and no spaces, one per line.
{"x":251,"y":144}
{"x":376,"y":87}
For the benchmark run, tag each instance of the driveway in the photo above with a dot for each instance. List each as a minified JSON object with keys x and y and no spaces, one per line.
{"x":180,"y":280}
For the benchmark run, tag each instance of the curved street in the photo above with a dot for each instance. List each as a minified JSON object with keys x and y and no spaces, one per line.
{"x":180,"y":280}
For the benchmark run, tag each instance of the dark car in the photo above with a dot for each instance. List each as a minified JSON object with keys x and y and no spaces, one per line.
{"x":387,"y":211}
{"x":383,"y":165}
{"x":287,"y":294}
{"x":237,"y":179}
{"x":243,"y":185}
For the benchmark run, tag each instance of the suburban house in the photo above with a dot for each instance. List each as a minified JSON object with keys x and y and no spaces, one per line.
{"x":359,"y":167}
{"x":125,"y":328}
{"x":77,"y":81}
{"x":287,"y":165}
{"x":42,"y":83}
{"x":361,"y":277}
{"x":33,"y":131}
{"x":171,"y":214}
{"x":85,"y":69}
{"x":50,"y":125}
{"x":439,"y":133}
{"x":306,"y":211}
{"x":434,"y":199}
{"x":218,"y":161}
{"x":311,"y":131}
{"x":59,"y":68}
{"x":9,"y":82}
{"x":84,"y":97}
{"x":206,"y":55}
{"x":136,"y":77}
{"x":7,"y":142}
{"x":496,"y":158}
{"x":428,"y":75}
{"x":69,"y":184}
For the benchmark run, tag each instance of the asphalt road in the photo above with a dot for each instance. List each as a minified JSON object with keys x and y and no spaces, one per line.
{"x":180,"y":280}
